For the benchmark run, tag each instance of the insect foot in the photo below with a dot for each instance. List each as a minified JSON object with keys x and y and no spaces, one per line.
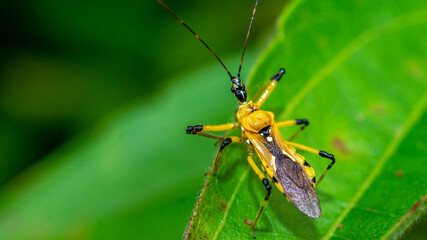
{"x":194,"y":129}
{"x":279,"y":74}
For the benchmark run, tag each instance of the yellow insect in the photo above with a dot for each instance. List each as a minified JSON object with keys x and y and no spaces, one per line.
{"x":288,"y":170}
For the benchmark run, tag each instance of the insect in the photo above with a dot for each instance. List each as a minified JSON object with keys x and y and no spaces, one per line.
{"x":287,"y":169}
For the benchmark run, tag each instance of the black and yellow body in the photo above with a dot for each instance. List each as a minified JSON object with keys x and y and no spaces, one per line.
{"x":286,"y":168}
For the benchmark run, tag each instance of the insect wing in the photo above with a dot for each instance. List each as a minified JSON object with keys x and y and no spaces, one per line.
{"x":264,"y":150}
{"x":297,"y":188}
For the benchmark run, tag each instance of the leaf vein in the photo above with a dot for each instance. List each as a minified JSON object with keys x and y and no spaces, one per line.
{"x":392,"y":147}
{"x":348,"y":51}
{"x":227,"y":210}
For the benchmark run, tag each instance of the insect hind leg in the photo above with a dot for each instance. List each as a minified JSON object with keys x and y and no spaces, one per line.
{"x":328,"y":156}
{"x":266,"y":198}
{"x":320,"y":153}
{"x":267,"y":187}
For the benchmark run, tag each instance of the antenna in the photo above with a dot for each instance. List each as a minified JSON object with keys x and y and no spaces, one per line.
{"x":195,"y":34}
{"x":247,"y":36}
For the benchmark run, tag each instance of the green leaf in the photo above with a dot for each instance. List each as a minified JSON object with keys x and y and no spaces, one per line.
{"x":129,"y":178}
{"x":357,"y":70}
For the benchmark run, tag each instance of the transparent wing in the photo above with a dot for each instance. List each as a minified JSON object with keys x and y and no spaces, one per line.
{"x":297,"y":187}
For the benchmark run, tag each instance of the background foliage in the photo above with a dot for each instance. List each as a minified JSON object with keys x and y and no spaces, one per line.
{"x":357,"y":71}
{"x":94,"y":99}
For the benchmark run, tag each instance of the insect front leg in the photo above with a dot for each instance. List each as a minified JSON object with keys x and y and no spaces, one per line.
{"x":304,"y":122}
{"x":270,"y":87}
{"x":266,"y":184}
{"x":227,"y":141}
{"x":200,"y":130}
{"x":318,"y":152}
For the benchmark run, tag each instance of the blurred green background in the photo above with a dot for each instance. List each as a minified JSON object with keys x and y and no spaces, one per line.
{"x":69,"y":70}
{"x":67,"y":64}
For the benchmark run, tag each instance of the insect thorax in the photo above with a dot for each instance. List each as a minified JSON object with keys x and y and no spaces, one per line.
{"x":252,"y":119}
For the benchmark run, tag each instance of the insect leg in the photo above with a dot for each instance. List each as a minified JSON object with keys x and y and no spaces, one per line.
{"x":210,"y":128}
{"x":200,"y":129}
{"x":226,"y":141}
{"x":274,"y":80}
{"x":318,"y":152}
{"x":266,"y":184}
{"x":259,"y":91}
{"x":292,"y":123}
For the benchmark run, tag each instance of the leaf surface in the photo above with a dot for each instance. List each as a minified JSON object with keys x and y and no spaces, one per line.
{"x":130,"y":177}
{"x":357,"y":70}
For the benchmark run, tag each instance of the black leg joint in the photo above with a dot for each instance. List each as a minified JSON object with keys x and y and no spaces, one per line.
{"x":302,"y":121}
{"x":267,"y":186}
{"x":225,"y":143}
{"x":329,"y":156}
{"x":194,"y":129}
{"x":278,"y":75}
